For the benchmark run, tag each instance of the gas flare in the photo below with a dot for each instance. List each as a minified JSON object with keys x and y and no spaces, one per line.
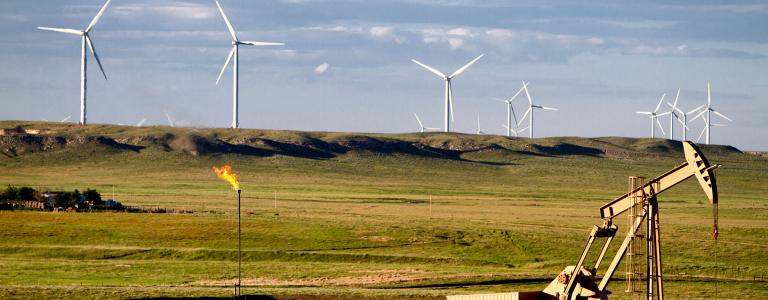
{"x":225,"y":173}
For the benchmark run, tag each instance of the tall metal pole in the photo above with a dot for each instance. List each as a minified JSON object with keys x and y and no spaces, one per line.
{"x":83,"y":79}
{"x":237,"y":288}
{"x":709,"y":123}
{"x":236,"y":91}
{"x":653,"y":127}
{"x":530,"y":124}
{"x":447,"y":122}
{"x":672,"y":126}
{"x":685,"y":130}
{"x":509,"y":118}
{"x":649,"y":232}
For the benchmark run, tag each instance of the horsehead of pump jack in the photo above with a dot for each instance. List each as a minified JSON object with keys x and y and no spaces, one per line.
{"x":87,"y":42}
{"x":448,"y":90}
{"x":236,"y":63}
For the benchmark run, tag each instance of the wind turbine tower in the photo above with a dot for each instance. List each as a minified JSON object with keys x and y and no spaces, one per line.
{"x":236,"y":64}
{"x":448,"y":90}
{"x":87,"y":42}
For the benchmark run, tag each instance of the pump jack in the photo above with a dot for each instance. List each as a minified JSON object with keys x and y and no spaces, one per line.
{"x":577,"y":282}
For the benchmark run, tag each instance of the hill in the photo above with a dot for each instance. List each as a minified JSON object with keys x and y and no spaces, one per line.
{"x":26,"y":138}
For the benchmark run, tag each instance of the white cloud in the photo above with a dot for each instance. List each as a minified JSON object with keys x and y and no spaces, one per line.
{"x":385,"y":33}
{"x":173,"y":9}
{"x":455,"y":43}
{"x":322,"y":68}
{"x":459,"y":31}
{"x":499,"y":33}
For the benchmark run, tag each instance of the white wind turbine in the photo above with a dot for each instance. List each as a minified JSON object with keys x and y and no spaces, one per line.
{"x":236,"y":64}
{"x":654,"y":116}
{"x":685,"y":117}
{"x":448,"y":90}
{"x":511,"y":111}
{"x":479,"y":131}
{"x":170,"y":120}
{"x":708,"y":110}
{"x":529,"y":113}
{"x":421,"y":125}
{"x":673,"y":115}
{"x":86,"y":43}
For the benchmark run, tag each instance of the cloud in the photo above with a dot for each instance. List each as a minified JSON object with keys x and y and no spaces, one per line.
{"x":172,"y":9}
{"x":385,"y":33}
{"x":322,"y":68}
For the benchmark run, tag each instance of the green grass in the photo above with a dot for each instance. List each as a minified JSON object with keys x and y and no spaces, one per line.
{"x":357,"y":223}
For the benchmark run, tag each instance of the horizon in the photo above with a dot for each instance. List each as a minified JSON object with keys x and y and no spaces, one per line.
{"x":346,"y":64}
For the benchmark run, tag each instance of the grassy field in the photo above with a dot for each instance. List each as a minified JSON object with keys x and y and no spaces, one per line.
{"x":352,"y":216}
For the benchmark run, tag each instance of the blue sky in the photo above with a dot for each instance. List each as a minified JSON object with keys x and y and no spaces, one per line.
{"x":346,"y":65}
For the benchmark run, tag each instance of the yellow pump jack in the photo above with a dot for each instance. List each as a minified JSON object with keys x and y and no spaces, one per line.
{"x":579,"y":282}
{"x":576,"y":282}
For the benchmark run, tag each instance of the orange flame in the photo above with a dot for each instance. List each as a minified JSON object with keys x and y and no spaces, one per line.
{"x":225,"y":173}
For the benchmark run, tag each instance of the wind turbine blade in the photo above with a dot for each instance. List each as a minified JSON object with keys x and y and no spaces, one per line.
{"x":722,"y":115}
{"x":695,"y":109}
{"x":699,"y":115}
{"x":262,"y":43}
{"x":462,"y":69}
{"x":702,"y":134}
{"x":95,"y":55}
{"x":229,"y":57}
{"x":548,"y":108}
{"x":660,"y":127}
{"x":719,"y":125}
{"x":418,"y":120}
{"x":518,"y":92}
{"x":170,"y":121}
{"x":681,"y":122}
{"x":709,"y":95}
{"x":644,"y":112}
{"x":62,"y":30}
{"x":524,"y":129}
{"x":97,"y":17}
{"x":676,"y":97}
{"x":433,"y":70}
{"x":524,"y":116}
{"x":513,"y":114}
{"x":66,"y":119}
{"x":527,"y":94}
{"x":505,"y":126}
{"x":226,"y":20}
{"x":141,"y":122}
{"x":660,"y":101}
{"x":664,"y":114}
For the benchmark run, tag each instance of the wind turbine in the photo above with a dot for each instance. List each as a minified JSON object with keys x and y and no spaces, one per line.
{"x":673,"y":115}
{"x":86,"y":42}
{"x":529,"y":112}
{"x":448,"y":90}
{"x":170,"y":120}
{"x":236,"y":64}
{"x":511,"y":110}
{"x":654,"y":116}
{"x":421,"y":125}
{"x":709,"y":110}
{"x":479,"y":131}
{"x":685,"y":118}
